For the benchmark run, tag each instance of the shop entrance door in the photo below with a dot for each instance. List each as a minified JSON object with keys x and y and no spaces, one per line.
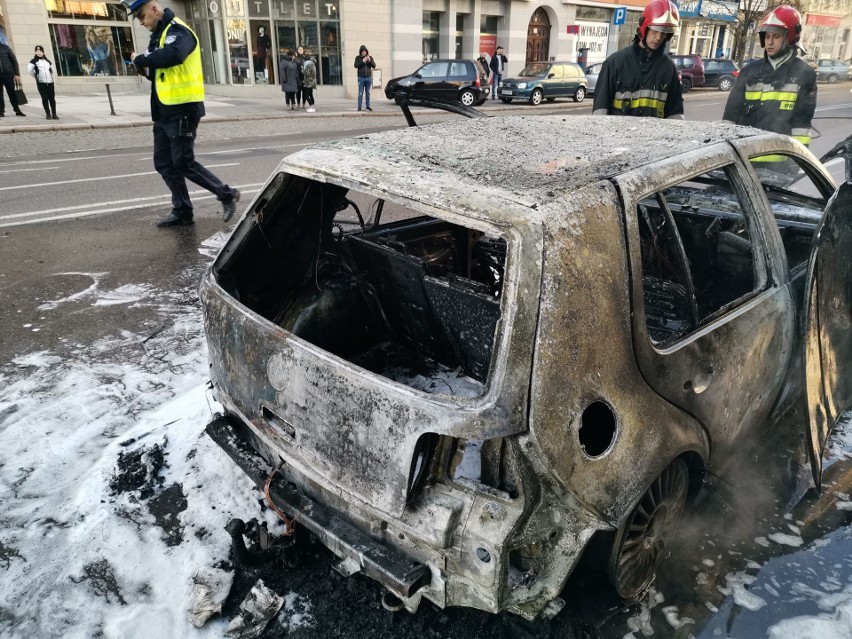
{"x":538,"y":37}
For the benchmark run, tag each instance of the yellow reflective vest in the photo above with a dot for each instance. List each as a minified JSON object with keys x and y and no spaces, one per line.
{"x":183,"y":83}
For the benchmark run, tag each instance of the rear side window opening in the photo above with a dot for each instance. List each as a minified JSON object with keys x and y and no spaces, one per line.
{"x":411,"y":297}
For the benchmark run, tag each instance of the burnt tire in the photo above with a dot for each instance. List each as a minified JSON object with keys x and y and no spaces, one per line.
{"x":833,"y":78}
{"x":536,"y":97}
{"x":467,"y":98}
{"x":686,"y":85}
{"x":644,"y":538}
{"x":506,"y":100}
{"x":726,"y":84}
{"x":580,"y":94}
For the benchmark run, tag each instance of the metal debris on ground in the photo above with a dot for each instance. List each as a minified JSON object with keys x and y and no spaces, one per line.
{"x":256,"y":611}
{"x":209,"y":591}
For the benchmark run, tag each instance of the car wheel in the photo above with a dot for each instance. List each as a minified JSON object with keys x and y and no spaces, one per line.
{"x":580,"y":94}
{"x":467,"y":98}
{"x":833,"y":78}
{"x":506,"y":100}
{"x":536,"y":97}
{"x":686,"y":85}
{"x":644,"y":537}
{"x":551,"y":99}
{"x":725,"y":84}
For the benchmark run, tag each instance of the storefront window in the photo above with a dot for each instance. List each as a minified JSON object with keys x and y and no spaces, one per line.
{"x":314,"y":25}
{"x":90,"y":38}
{"x":488,"y":34}
{"x":459,"y":40}
{"x":238,"y":48}
{"x":91,"y":50}
{"x":628,"y":30}
{"x":431,"y":30}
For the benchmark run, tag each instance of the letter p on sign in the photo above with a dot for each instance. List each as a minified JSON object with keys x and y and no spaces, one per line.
{"x":619,"y":15}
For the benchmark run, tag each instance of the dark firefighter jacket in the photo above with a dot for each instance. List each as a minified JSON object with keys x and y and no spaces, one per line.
{"x":782,"y":100}
{"x":640,"y":82}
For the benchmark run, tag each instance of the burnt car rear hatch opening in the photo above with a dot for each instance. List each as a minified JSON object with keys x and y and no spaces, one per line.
{"x":355,"y":344}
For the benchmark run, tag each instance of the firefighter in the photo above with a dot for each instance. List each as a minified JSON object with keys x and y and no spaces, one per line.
{"x":641,"y":79}
{"x":777,"y":93}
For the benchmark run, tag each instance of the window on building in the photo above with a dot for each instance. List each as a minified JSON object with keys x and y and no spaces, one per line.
{"x":461,"y":18}
{"x":431,"y":34}
{"x":314,"y":25}
{"x":89,"y":38}
{"x":628,"y":30}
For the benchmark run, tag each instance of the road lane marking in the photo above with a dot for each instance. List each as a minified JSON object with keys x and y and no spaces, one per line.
{"x":104,"y":177}
{"x":73,"y":212}
{"x":836,"y":106}
{"x":41,"y":168}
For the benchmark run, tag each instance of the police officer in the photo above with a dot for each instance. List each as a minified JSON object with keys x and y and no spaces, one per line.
{"x":641,"y":79}
{"x":777,"y":93}
{"x":173,"y":65}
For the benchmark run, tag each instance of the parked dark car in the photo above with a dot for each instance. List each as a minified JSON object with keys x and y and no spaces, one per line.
{"x":720,"y":72}
{"x":443,"y":79}
{"x":545,"y":81}
{"x":691,"y":69}
{"x":459,"y":390}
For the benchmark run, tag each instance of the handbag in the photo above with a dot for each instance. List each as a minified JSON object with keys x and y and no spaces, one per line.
{"x":19,"y":94}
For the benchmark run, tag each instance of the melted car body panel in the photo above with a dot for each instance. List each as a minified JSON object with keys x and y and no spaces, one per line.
{"x":482,"y":365}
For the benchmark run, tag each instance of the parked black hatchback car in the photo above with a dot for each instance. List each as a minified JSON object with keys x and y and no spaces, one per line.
{"x":720,"y":72}
{"x":444,"y":79}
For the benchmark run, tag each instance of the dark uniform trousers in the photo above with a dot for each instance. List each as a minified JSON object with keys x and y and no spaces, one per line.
{"x":174,"y":159}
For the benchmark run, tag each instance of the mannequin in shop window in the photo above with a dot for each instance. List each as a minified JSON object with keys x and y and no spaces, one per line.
{"x":261,"y":50}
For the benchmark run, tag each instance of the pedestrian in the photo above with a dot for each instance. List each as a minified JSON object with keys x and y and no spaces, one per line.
{"x":365,"y":64}
{"x":779,"y":92}
{"x":498,"y":68}
{"x":42,"y":70}
{"x":310,"y":83}
{"x":10,"y":76}
{"x":173,"y":65}
{"x":484,"y":69}
{"x":640,"y":79}
{"x":289,"y":75}
{"x":300,"y":68}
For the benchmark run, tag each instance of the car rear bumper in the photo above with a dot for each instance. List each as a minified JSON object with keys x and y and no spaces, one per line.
{"x":399,"y":573}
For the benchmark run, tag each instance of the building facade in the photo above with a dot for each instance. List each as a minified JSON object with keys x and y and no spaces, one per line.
{"x":242,"y":40}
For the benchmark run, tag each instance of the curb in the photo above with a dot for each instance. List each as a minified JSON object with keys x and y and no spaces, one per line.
{"x":82,"y":126}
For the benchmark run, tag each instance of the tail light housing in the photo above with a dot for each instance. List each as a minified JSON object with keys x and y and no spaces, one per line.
{"x":735,"y":73}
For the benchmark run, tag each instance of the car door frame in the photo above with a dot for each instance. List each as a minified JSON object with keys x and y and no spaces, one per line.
{"x":827,"y":394}
{"x":729,"y":371}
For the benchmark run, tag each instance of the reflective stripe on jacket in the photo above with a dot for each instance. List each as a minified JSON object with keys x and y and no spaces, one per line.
{"x":182,"y":83}
{"x":781,"y":100}
{"x":639,"y":82}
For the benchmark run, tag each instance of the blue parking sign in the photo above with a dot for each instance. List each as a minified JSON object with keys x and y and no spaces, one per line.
{"x":619,"y":15}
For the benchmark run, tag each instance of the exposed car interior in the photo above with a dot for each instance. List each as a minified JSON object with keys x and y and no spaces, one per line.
{"x":698,"y":258}
{"x":412,"y":298}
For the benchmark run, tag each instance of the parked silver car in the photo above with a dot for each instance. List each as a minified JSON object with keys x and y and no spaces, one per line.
{"x":592,"y":72}
{"x":458,"y":374}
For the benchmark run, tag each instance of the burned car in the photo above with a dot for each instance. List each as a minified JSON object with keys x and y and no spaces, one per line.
{"x":457,"y":374}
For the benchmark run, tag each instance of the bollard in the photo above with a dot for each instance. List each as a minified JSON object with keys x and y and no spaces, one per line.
{"x":109,"y":95}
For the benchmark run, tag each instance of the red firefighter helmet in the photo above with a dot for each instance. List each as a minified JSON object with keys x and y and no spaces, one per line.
{"x":659,"y":15}
{"x":783,"y":19}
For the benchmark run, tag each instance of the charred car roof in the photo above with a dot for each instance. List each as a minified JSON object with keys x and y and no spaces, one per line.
{"x":542,"y":154}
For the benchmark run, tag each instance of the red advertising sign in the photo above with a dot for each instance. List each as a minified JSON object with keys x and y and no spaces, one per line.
{"x":487,"y":43}
{"x":573,"y":29}
{"x":816,"y":20}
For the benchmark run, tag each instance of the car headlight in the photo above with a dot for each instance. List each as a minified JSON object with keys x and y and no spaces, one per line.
{"x":522,"y":85}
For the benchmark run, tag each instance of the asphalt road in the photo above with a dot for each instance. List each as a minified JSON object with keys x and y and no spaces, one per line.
{"x":85,"y":202}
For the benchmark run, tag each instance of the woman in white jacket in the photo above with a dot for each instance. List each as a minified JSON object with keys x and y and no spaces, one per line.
{"x":42,"y":70}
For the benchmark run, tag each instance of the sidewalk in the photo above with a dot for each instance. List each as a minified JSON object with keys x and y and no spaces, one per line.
{"x":92,"y":111}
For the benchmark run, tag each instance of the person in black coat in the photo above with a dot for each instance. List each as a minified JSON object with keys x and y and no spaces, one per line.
{"x":10,"y":74}
{"x":288,"y":71}
{"x":498,"y":68}
{"x":365,"y":64}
